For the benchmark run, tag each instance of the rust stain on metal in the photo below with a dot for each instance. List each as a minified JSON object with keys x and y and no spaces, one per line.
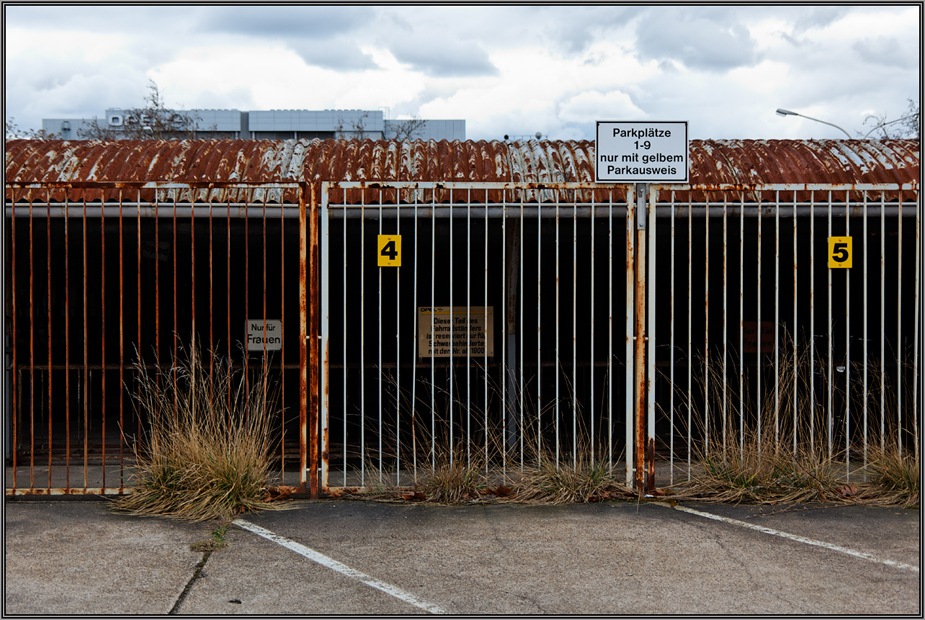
{"x":72,"y":167}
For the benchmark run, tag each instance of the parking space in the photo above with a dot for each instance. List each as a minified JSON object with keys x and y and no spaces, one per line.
{"x":607,"y":558}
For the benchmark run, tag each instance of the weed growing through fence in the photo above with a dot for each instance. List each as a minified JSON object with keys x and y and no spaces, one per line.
{"x":485,"y":469}
{"x":792,"y":453}
{"x":206,"y":451}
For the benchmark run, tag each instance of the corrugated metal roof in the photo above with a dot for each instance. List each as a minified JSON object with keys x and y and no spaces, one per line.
{"x":712,"y":162}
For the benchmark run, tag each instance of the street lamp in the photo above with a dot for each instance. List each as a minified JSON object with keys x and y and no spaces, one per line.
{"x":783,"y":112}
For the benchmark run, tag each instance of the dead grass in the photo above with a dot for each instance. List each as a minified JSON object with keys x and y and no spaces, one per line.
{"x":205,"y":453}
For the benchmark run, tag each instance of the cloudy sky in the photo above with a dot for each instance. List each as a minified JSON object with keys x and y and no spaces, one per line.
{"x":506,"y":70}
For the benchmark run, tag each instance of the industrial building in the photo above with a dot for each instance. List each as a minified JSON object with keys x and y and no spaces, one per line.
{"x":276,"y":125}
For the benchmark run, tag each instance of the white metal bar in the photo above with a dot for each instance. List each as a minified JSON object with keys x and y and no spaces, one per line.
{"x":591,"y":400}
{"x":398,"y":344}
{"x":759,"y":359}
{"x":414,"y":340}
{"x":847,"y":362}
{"x":485,"y":340}
{"x":776,"y":320}
{"x":468,"y":323}
{"x":899,"y":329}
{"x":379,"y":399}
{"x":812,"y":324}
{"x":433,"y":271}
{"x":725,"y":309}
{"x":557,"y":362}
{"x":362,"y":344}
{"x":574,"y":390}
{"x":830,"y":376}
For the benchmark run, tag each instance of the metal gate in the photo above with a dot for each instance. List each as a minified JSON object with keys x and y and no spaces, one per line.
{"x":437,"y":345}
{"x":103,"y":274}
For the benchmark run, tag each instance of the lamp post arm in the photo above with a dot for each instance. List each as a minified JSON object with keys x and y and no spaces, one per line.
{"x":825,"y":123}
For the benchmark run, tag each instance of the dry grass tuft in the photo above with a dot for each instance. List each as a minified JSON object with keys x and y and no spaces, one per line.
{"x":206,"y":452}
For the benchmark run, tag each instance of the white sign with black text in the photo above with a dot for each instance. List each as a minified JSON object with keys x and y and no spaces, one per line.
{"x":641,"y":152}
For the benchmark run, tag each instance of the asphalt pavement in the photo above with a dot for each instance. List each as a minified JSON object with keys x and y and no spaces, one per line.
{"x":351,"y":557}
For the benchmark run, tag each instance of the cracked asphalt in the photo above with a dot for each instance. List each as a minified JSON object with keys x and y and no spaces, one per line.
{"x":77,"y":557}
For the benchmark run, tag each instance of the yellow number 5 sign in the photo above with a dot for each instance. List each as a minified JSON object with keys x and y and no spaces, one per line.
{"x":389,"y":250}
{"x":839,"y":252}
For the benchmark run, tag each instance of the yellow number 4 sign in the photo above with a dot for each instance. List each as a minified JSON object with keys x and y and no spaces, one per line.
{"x":389,"y":250}
{"x":839,"y":252}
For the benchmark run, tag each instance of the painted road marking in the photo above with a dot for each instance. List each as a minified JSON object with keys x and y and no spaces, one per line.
{"x":802,"y":539}
{"x":333,"y":564}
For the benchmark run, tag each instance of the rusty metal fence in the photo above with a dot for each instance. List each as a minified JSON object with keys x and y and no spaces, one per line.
{"x":491,"y":324}
{"x":495,"y":324}
{"x":132,"y":273}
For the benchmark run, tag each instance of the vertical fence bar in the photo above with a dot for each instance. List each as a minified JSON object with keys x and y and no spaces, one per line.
{"x":520,"y":339}
{"x":864,"y":323}
{"x":883,"y":374}
{"x":557,"y":360}
{"x":452,"y":333}
{"x":67,"y":356}
{"x":49,"y":317}
{"x":794,"y":328}
{"x":468,"y":335}
{"x":574,"y":389}
{"x":362,"y":336}
{"x":742,"y":328}
{"x":652,"y":199}
{"x":103,"y":338}
{"x":414,"y":358}
{"x":398,"y":344}
{"x":899,"y":325}
{"x":831,"y":377}
{"x":485,"y":337}
{"x":433,"y":357}
{"x":539,"y":328}
{"x":86,"y":361}
{"x":706,"y":333}
{"x":122,"y":351}
{"x":282,"y":331}
{"x":610,"y":330}
{"x":591,"y":399}
{"x":915,"y":339}
{"x":671,"y":385}
{"x":503,"y":374}
{"x":812,"y":321}
{"x":759,"y":359}
{"x":847,"y":353}
{"x":15,"y":365}
{"x":725,"y":326}
{"x":344,"y":287}
{"x":379,"y":398}
{"x":325,"y":369}
{"x":776,"y":321}
{"x":690,"y":348}
{"x":630,"y":331}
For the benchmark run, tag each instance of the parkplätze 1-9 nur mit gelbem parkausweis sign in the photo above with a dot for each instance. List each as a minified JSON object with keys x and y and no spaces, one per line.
{"x":641,"y":152}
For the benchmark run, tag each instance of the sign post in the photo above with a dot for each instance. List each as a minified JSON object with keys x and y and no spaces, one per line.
{"x":642,"y":152}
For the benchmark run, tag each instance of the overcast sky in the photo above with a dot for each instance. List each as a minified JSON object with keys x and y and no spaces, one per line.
{"x":505,"y":70}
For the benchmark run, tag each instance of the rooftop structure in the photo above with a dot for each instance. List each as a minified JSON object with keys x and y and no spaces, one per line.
{"x":275,"y":125}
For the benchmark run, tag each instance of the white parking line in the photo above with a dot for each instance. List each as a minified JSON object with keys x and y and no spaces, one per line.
{"x":802,"y":539}
{"x":324,"y":560}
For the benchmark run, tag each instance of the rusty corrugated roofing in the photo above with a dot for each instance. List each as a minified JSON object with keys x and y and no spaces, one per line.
{"x":712,"y":162}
